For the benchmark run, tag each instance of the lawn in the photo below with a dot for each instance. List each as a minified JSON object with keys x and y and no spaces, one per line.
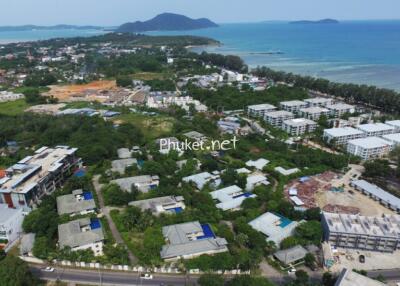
{"x":152,"y":127}
{"x":13,"y":107}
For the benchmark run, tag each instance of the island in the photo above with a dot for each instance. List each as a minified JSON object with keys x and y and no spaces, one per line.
{"x":167,"y":22}
{"x":55,"y":27}
{"x":323,"y":21}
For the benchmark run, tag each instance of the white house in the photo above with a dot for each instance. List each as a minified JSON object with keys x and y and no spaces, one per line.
{"x":10,"y":223}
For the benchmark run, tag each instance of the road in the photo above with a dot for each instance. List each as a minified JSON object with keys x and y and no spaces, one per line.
{"x":106,"y":212}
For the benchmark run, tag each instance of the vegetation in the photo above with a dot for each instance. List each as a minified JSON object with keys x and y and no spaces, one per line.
{"x":15,"y":272}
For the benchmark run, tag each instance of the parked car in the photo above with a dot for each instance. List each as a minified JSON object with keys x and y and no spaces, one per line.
{"x":146,"y":276}
{"x":48,"y":269}
{"x":292,"y":271}
{"x":361,"y":258}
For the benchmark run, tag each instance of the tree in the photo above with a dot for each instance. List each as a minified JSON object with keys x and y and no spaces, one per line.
{"x":328,"y":279}
{"x":309,"y":260}
{"x":377,"y":168}
{"x":246,"y":280}
{"x":302,"y":277}
{"x":211,"y":280}
{"x":309,"y":232}
{"x":124,"y":81}
{"x":15,"y":272}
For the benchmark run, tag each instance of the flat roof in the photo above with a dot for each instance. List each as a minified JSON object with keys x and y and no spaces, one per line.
{"x":350,"y":278}
{"x":299,"y":122}
{"x":230,"y":197}
{"x":293,"y":103}
{"x":75,"y":203}
{"x":395,"y":123}
{"x":79,"y":233}
{"x":318,"y":100}
{"x":370,"y":142}
{"x":261,"y":106}
{"x":6,"y":213}
{"x":279,"y":113}
{"x":395,"y":138}
{"x":375,"y":127}
{"x":315,"y":109}
{"x":154,"y":203}
{"x":340,"y":106}
{"x":344,"y":131}
{"x":259,"y":163}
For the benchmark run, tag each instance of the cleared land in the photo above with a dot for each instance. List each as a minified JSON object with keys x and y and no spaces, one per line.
{"x":13,"y":107}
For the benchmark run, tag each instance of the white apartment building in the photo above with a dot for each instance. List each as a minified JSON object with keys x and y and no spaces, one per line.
{"x":376,"y":129}
{"x":10,"y":96}
{"x":395,"y":124}
{"x":369,"y":148}
{"x":339,"y":109}
{"x":37,"y":175}
{"x":299,"y":126}
{"x":393,"y":138}
{"x":293,"y":105}
{"x":259,"y":110}
{"x":318,"y":102}
{"x":10,"y":223}
{"x":340,"y":136}
{"x":314,"y":113}
{"x":276,"y":118}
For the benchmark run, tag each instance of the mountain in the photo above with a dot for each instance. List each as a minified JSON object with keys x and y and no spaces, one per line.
{"x":167,"y":22}
{"x":323,"y":21}
{"x":56,"y":27}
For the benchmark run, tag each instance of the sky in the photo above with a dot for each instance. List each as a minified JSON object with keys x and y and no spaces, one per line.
{"x":115,"y":12}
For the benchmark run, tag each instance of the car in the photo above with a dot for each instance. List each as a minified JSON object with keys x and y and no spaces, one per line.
{"x":146,"y":276}
{"x":292,"y":271}
{"x":48,"y":269}
{"x":361,"y":258}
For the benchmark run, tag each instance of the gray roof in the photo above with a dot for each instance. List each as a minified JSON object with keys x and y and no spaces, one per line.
{"x":27,"y":242}
{"x":6,"y":213}
{"x":71,"y":234}
{"x":124,"y":153}
{"x":121,"y":164}
{"x":126,"y":183}
{"x":151,"y":204}
{"x":350,"y":278}
{"x":194,"y":135}
{"x":288,"y":256}
{"x":377,"y":192}
{"x":70,"y":204}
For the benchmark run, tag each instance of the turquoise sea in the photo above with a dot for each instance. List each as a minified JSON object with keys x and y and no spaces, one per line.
{"x":352,"y":51}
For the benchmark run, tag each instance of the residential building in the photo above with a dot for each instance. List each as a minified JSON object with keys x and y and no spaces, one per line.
{"x":189,"y":240}
{"x":379,"y":233}
{"x":255,"y":180}
{"x":274,"y":226}
{"x":291,"y":256}
{"x":143,"y":183}
{"x":340,"y":136}
{"x":259,"y":110}
{"x":350,"y":278}
{"x":318,"y":102}
{"x":10,"y":223}
{"x":168,"y":204}
{"x":35,"y":176}
{"x":124,"y":153}
{"x":395,"y":124}
{"x":77,"y":203}
{"x":299,"y":126}
{"x":121,"y":165}
{"x":196,"y":136}
{"x":314,"y":113}
{"x":293,"y":106}
{"x":369,"y":148}
{"x":259,"y":164}
{"x":201,"y":179}
{"x":376,"y":129}
{"x":81,"y":234}
{"x":276,"y":118}
{"x":230,"y":198}
{"x":339,"y":123}
{"x":165,"y":145}
{"x":392,"y":138}
{"x":387,"y":199}
{"x":26,"y":246}
{"x":286,"y":172}
{"x":10,"y":96}
{"x":339,"y":109}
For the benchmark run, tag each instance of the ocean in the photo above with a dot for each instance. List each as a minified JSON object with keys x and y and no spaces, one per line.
{"x":363,"y":52}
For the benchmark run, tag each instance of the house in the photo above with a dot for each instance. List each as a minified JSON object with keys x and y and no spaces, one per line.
{"x":369,"y":148}
{"x":230,"y":198}
{"x":293,"y":106}
{"x":291,"y":256}
{"x":259,"y":110}
{"x":274,"y":226}
{"x":77,"y":203}
{"x":168,"y":204}
{"x":26,"y":246}
{"x":340,"y":136}
{"x":124,"y":153}
{"x":376,"y":129}
{"x":259,"y":164}
{"x":195,"y":136}
{"x":318,"y":102}
{"x":201,"y":179}
{"x":255,"y":180}
{"x":314,"y":113}
{"x":350,"y":278}
{"x":276,"y":118}
{"x":189,"y":240}
{"x":143,"y":183}
{"x":299,"y":126}
{"x":121,"y":165}
{"x":81,"y":234}
{"x":33,"y":177}
{"x":10,"y":223}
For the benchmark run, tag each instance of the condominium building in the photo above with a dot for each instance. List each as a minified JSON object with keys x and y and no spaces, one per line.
{"x":378,"y":233}
{"x":259,"y":110}
{"x":10,"y":223}
{"x":318,"y":102}
{"x":395,"y":124}
{"x":314,"y":113}
{"x":339,"y":109}
{"x":299,"y":126}
{"x":340,"y":136}
{"x":369,"y":148}
{"x":393,"y":138}
{"x":34,"y":176}
{"x":293,"y":106}
{"x":276,"y":118}
{"x":376,"y":129}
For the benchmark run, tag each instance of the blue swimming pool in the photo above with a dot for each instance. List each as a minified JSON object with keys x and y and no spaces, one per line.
{"x":208,"y":233}
{"x":87,"y":196}
{"x":247,"y":195}
{"x":95,"y":223}
{"x":284,"y":220}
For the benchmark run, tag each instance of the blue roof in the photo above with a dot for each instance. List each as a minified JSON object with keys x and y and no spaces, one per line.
{"x":80,"y":173}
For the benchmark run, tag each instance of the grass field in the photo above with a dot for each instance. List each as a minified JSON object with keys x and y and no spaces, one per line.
{"x":152,"y":127}
{"x":150,"y":76}
{"x":13,"y":107}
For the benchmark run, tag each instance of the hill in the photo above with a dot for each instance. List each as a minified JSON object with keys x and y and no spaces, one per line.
{"x":323,"y":21}
{"x":56,"y":27}
{"x":167,"y":22}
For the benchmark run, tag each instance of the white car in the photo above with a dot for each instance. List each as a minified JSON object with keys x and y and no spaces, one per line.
{"x":48,"y":269}
{"x":146,"y":276}
{"x":292,"y":271}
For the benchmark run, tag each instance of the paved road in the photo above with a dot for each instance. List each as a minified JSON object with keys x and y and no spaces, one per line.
{"x":106,"y":212}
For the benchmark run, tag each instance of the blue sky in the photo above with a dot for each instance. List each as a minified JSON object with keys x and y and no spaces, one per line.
{"x":114,"y":12}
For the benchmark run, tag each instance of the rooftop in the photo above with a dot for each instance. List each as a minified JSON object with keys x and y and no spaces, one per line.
{"x":76,"y":202}
{"x":395,"y":138}
{"x":370,"y":142}
{"x":263,"y":106}
{"x":299,"y":122}
{"x":318,"y":100}
{"x":350,"y":278}
{"x":313,"y":110}
{"x":230,"y":197}
{"x":279,"y":113}
{"x":258,"y":164}
{"x":80,"y":232}
{"x":121,"y":164}
{"x":6,"y":213}
{"x":159,"y":204}
{"x":375,"y":127}
{"x":344,"y":131}
{"x":202,"y":178}
{"x":340,"y":106}
{"x":293,"y":103}
{"x":394,"y":123}
{"x":288,"y":256}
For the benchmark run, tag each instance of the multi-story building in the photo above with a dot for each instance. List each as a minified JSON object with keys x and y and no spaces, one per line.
{"x":37,"y":175}
{"x":276,"y":118}
{"x":318,"y":102}
{"x":259,"y":110}
{"x":299,"y":126}
{"x":393,"y":138}
{"x":339,"y":109}
{"x":369,"y":148}
{"x":314,"y":113}
{"x":395,"y":124}
{"x":293,"y":106}
{"x":361,"y":232}
{"x":376,"y":129}
{"x":81,"y":234}
{"x":340,"y":136}
{"x":10,"y":223}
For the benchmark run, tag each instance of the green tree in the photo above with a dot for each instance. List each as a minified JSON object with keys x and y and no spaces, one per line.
{"x":211,"y":280}
{"x":309,"y":260}
{"x":302,"y":277}
{"x":328,"y":279}
{"x":15,"y":272}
